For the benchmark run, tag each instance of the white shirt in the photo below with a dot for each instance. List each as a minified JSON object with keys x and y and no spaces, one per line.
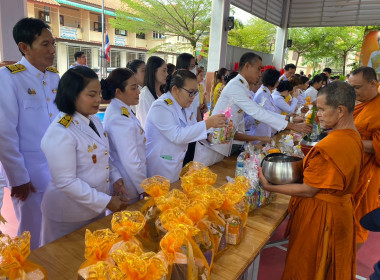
{"x":80,"y":168}
{"x":127,"y":145}
{"x":301,"y":97}
{"x":26,"y":110}
{"x":312,"y":93}
{"x":168,"y":133}
{"x":263,"y":97}
{"x":281,"y":104}
{"x":75,"y":64}
{"x":283,"y":78}
{"x":146,"y":101}
{"x":236,"y":95}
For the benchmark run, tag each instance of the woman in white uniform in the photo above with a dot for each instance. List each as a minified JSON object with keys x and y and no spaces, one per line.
{"x":279,"y":95}
{"x":138,"y":67}
{"x":125,"y":133}
{"x":171,"y":124}
{"x":77,"y":150}
{"x":155,"y":79}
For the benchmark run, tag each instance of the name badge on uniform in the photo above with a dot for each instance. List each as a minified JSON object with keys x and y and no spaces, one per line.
{"x":167,"y":157}
{"x":31,"y":91}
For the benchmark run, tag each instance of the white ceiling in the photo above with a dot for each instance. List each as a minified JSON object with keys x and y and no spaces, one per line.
{"x":312,"y":13}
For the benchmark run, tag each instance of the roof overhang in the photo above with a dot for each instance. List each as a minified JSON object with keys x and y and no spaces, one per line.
{"x":314,"y":13}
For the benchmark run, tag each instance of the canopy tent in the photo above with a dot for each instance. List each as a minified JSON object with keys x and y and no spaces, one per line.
{"x":313,"y":13}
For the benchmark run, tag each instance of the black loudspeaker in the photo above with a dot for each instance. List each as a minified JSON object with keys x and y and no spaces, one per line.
{"x":289,"y":43}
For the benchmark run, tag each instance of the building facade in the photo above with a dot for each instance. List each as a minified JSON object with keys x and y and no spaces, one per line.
{"x":76,"y":25}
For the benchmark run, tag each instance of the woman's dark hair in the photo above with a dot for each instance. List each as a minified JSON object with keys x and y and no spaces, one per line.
{"x":183,"y":61}
{"x":118,"y":79}
{"x":153,"y":63}
{"x":135,"y":64}
{"x":171,"y":69}
{"x":218,"y":78}
{"x":295,"y":80}
{"x":316,"y":79}
{"x":324,"y":77}
{"x":70,"y":86}
{"x":27,"y":30}
{"x":284,"y":85}
{"x":270,"y":77}
{"x":179,"y":78}
{"x":230,"y":76}
{"x":304,"y":79}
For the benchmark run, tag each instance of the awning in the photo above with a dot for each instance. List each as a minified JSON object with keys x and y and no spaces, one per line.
{"x":86,"y":7}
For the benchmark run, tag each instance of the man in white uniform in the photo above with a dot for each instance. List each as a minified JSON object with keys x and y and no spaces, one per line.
{"x":236,"y":96}
{"x":80,"y":60}
{"x":27,"y":108}
{"x":289,"y":71}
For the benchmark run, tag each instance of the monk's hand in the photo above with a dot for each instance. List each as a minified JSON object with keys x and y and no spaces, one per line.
{"x":303,"y":127}
{"x":264,"y":182}
{"x":22,"y":192}
{"x":119,"y":188}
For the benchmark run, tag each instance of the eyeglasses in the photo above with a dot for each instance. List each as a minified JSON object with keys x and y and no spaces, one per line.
{"x":191,"y":93}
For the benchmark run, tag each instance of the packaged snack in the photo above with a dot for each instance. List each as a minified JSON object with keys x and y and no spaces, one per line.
{"x":13,"y":259}
{"x":195,"y":174}
{"x":184,"y":256}
{"x":155,"y":186}
{"x":103,"y":270}
{"x":224,"y":135}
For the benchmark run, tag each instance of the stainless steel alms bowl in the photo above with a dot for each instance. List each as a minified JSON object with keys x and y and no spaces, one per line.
{"x":282,"y":169}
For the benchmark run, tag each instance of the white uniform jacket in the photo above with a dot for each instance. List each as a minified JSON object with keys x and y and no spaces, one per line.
{"x":79,"y":164}
{"x":145,"y":102}
{"x":281,"y":104}
{"x":127,"y":145}
{"x":168,"y":133}
{"x":236,"y":95}
{"x":283,"y":78}
{"x":26,"y":110}
{"x":263,"y":97}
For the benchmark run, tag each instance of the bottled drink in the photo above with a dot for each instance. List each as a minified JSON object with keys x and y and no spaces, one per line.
{"x":240,"y":164}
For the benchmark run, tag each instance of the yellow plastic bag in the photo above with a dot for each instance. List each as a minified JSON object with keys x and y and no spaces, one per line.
{"x":104,"y":271}
{"x":196,"y":174}
{"x":13,"y":259}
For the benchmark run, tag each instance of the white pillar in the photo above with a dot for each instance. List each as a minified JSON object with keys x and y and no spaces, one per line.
{"x":218,"y":36}
{"x":61,"y":54}
{"x":123,"y":59}
{"x":10,"y":13}
{"x":281,"y":37}
{"x":95,"y":57}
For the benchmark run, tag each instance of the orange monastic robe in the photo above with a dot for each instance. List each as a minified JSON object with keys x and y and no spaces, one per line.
{"x":366,"y":195}
{"x":322,"y":229}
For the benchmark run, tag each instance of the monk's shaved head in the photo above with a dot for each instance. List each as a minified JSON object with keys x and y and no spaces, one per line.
{"x":339,"y":93}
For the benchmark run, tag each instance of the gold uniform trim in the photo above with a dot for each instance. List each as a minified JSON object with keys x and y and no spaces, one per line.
{"x":66,"y":120}
{"x":125,"y":112}
{"x":52,"y":69}
{"x":14,"y":68}
{"x":168,"y":101}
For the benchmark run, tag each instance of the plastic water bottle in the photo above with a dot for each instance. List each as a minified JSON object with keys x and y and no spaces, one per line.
{"x":240,"y":164}
{"x":314,"y":133}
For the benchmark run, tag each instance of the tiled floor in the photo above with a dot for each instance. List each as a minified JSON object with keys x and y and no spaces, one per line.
{"x":272,"y":259}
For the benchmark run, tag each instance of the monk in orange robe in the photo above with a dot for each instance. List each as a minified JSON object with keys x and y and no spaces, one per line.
{"x":321,"y":224}
{"x":367,"y":121}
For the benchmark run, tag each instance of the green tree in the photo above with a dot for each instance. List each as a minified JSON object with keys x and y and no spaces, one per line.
{"x":304,"y":40}
{"x":187,"y":18}
{"x":257,"y":34}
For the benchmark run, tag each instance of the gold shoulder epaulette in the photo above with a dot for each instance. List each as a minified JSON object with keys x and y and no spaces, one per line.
{"x":168,"y":101}
{"x":66,"y":120}
{"x":52,"y":69}
{"x":241,"y":81}
{"x":14,"y":68}
{"x":125,"y":112}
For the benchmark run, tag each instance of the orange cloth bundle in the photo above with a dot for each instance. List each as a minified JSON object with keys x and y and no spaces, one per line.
{"x":234,"y":210}
{"x":186,"y":259}
{"x":308,"y":101}
{"x":174,"y":198}
{"x":127,"y":224}
{"x":147,"y":266}
{"x":155,"y":186}
{"x":105,"y":271}
{"x":196,"y":174}
{"x":97,"y":247}
{"x":13,"y":259}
